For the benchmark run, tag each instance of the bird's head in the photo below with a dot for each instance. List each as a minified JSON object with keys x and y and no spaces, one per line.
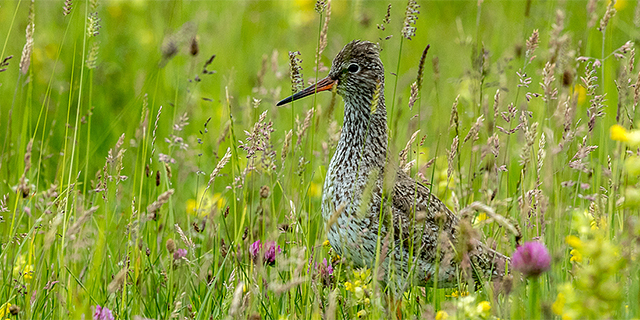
{"x":356,"y":70}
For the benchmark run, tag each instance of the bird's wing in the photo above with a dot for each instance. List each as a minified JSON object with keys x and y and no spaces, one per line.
{"x":419,"y":215}
{"x":415,"y":201}
{"x":424,"y":219}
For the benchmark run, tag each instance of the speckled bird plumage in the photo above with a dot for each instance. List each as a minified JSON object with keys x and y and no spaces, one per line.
{"x":354,"y":188}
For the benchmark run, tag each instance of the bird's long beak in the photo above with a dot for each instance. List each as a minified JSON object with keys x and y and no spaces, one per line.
{"x":322,"y":85}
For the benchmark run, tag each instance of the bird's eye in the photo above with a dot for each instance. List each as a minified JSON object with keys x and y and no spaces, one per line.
{"x":353,"y":67}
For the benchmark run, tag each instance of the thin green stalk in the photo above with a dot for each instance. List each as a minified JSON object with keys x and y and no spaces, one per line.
{"x":395,"y":88}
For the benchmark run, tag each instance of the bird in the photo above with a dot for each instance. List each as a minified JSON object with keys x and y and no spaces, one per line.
{"x":379,"y":217}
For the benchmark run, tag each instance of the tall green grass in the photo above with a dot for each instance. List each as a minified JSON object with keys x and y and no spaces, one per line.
{"x":111,"y":133}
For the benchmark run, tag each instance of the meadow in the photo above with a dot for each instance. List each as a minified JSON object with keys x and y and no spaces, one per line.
{"x":147,"y":173}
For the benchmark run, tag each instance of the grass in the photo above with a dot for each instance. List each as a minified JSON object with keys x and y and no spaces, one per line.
{"x":112,"y":130}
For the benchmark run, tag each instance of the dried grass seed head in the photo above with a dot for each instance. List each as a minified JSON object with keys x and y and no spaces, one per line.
{"x":25,"y":59}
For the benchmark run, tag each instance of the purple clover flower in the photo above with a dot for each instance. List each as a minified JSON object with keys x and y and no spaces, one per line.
{"x":254,"y":249}
{"x":532,"y":259}
{"x":325,"y":272}
{"x":270,"y":250}
{"x":102,"y":313}
{"x":179,"y":254}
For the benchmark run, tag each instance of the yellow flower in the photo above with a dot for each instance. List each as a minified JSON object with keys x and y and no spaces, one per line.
{"x":361,"y":313}
{"x":442,"y":315}
{"x":619,"y":133}
{"x":482,"y":216}
{"x":576,"y":256}
{"x":22,"y":269}
{"x":484,"y":307}
{"x":326,"y":243}
{"x":191,"y":206}
{"x":203,"y":204}
{"x":348,"y":286}
{"x":315,"y":190}
{"x":27,"y":272}
{"x":4,"y":309}
{"x":573,"y":241}
{"x":582,"y":93}
{"x":457,"y":294}
{"x":558,"y":306}
{"x":619,"y":5}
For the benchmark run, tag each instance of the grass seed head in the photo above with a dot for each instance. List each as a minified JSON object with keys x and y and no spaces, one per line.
{"x":25,"y":59}
{"x":295,"y":71}
{"x":532,"y":43}
{"x":410,"y":17}
{"x":66,"y":9}
{"x":611,"y":11}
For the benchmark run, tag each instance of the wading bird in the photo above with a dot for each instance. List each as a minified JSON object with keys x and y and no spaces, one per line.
{"x":382,"y":219}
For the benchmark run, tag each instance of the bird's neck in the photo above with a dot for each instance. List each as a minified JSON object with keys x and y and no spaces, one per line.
{"x":363,"y":141}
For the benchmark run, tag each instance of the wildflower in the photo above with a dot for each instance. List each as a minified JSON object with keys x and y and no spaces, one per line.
{"x":576,"y":256}
{"x":348,"y":286}
{"x":204,"y":203}
{"x":573,"y":241}
{"x":483,"y":308}
{"x":558,"y":306}
{"x":4,"y":309}
{"x":27,"y":272}
{"x":254,"y":248}
{"x":270,"y":253}
{"x":326,"y":243}
{"x":619,"y":5}
{"x":102,"y":313}
{"x":361,"y":313}
{"x":22,"y":269}
{"x":480,"y":218}
{"x":581,"y":92}
{"x":458,"y":294}
{"x":619,"y":133}
{"x":315,"y":190}
{"x":442,"y":315}
{"x":270,"y":250}
{"x":532,"y":259}
{"x":179,"y":254}
{"x":325,"y":271}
